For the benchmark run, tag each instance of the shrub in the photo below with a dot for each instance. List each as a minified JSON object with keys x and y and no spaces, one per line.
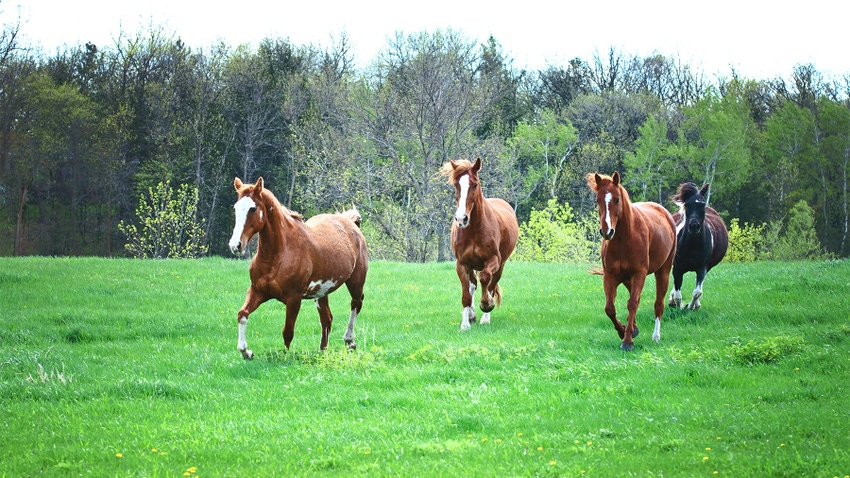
{"x":744,"y":242}
{"x":767,"y":350}
{"x":796,"y":240}
{"x":555,"y":235}
{"x":169,"y":225}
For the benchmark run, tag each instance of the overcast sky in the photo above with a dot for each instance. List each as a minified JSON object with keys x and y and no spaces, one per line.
{"x":760,"y":39}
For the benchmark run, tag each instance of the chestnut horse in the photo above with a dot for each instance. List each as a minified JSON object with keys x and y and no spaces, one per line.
{"x":484,"y":234}
{"x":702,"y":241}
{"x":638,"y":239}
{"x":297,"y":260}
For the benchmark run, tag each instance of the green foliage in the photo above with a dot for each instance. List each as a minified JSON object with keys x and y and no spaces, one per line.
{"x":556,"y":235}
{"x":168,"y":225}
{"x":766,"y":350}
{"x":745,"y":241}
{"x":796,"y":240}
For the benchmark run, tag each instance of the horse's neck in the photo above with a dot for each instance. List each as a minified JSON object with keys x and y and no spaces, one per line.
{"x":482,"y":210}
{"x":274,"y":236}
{"x":626,"y":221}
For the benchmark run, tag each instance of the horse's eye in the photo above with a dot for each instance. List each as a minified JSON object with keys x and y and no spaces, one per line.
{"x":252,"y":210}
{"x":616,"y":200}
{"x":473,"y":185}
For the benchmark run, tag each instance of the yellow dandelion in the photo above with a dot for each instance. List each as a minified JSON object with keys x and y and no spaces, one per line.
{"x":540,"y":448}
{"x":781,"y":444}
{"x":186,"y":473}
{"x":192,"y":469}
{"x":519,"y":434}
{"x":153,"y":450}
{"x":708,"y":449}
{"x":552,"y":463}
{"x":498,"y":440}
{"x":483,"y":439}
{"x":367,"y":452}
{"x":705,"y":458}
{"x":119,"y":455}
{"x":577,"y":442}
{"x":715,"y":472}
{"x":590,"y":443}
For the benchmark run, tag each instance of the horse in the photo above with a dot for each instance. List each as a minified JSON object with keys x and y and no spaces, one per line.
{"x":702,"y":241}
{"x":483,"y":235}
{"x":297,"y":260}
{"x":638,"y":239}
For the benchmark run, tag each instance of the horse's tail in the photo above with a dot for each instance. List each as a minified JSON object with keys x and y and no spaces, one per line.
{"x":596,"y":271}
{"x":353,"y":215}
{"x":497,"y":295}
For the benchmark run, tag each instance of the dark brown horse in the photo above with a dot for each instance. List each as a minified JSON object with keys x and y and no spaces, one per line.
{"x":638,"y":239}
{"x":297,"y":260}
{"x":484,"y":234}
{"x":702,"y":241}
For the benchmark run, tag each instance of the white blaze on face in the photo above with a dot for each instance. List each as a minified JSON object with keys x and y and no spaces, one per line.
{"x":318,"y":289}
{"x":463,"y":184}
{"x":241,"y":208}
{"x":608,"y":211}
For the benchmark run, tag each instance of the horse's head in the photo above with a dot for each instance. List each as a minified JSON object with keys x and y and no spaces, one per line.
{"x":610,"y":198}
{"x":251,"y":214}
{"x":693,"y":201}
{"x":464,"y":176}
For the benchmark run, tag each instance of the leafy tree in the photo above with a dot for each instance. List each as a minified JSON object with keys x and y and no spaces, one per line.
{"x":650,"y":166}
{"x":796,"y":239}
{"x":168,"y":225}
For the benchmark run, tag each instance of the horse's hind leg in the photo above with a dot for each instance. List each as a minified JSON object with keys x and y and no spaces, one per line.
{"x":356,"y":304}
{"x":610,"y":286}
{"x":326,"y":319}
{"x":662,"y":281}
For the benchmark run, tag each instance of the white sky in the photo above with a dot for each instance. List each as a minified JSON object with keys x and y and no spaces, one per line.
{"x":761,"y":39}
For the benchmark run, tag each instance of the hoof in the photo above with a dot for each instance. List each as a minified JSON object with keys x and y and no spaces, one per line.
{"x":351,"y":345}
{"x":636,"y":332}
{"x":247,"y":354}
{"x":627,"y":347}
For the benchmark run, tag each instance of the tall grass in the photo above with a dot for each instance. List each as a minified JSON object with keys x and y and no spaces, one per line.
{"x":130,"y":368}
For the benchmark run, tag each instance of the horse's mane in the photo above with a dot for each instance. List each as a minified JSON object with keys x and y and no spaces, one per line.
{"x":685,"y":192}
{"x":456,"y":170}
{"x":276,"y":204}
{"x":353,"y":214}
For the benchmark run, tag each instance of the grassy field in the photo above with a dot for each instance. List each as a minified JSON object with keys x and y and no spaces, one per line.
{"x":130,"y":368}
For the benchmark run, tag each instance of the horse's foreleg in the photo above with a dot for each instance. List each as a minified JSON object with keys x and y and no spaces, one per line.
{"x":467,"y":288}
{"x":253,"y":299}
{"x":610,"y":286}
{"x":635,"y":288}
{"x":292,"y":308}
{"x":489,"y":278}
{"x":694,"y":305}
{"x":676,"y":293}
{"x":326,"y":318}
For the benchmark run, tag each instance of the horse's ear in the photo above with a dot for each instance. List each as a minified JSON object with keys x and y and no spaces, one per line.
{"x":704,"y":191}
{"x":616,"y":178}
{"x":596,"y":180}
{"x":259,"y":186}
{"x":453,"y":163}
{"x":477,"y":165}
{"x":237,"y":183}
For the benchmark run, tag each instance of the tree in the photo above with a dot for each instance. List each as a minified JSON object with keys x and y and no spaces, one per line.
{"x":651,"y":165}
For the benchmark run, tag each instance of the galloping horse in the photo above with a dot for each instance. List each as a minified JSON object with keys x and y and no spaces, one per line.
{"x":297,"y":260}
{"x":638,"y":239}
{"x":484,"y":234}
{"x":702,"y":241}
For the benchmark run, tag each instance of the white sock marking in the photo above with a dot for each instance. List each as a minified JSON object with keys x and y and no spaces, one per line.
{"x":656,"y":334}
{"x":242,"y":343}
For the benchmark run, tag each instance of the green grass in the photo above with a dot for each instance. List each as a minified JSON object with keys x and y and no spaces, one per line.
{"x":130,"y":368}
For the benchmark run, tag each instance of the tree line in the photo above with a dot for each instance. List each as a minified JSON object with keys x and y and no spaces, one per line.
{"x":87,"y":131}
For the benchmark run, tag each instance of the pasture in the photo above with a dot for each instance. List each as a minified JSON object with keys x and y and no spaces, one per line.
{"x":114,"y":367}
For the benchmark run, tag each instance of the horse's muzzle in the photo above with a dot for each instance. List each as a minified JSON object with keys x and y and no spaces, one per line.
{"x":607,"y":235}
{"x":236,"y":248}
{"x":462,"y":222}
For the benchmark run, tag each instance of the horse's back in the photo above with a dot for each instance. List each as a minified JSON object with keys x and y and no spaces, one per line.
{"x":662,"y":230}
{"x":508,"y":224}
{"x":337,"y":238}
{"x":719,"y":236}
